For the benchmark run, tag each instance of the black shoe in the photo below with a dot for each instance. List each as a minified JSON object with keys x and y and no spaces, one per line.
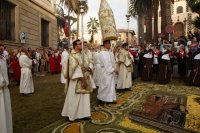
{"x":86,"y":118}
{"x":127,"y":89}
{"x":26,"y":94}
{"x":100,"y":102}
{"x":114,"y":102}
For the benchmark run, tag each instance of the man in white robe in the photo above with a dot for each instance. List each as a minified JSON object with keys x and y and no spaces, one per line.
{"x":64,"y":57}
{"x":125,"y":68}
{"x":77,"y":105}
{"x":106,"y":91}
{"x":26,"y":81}
{"x":97,"y":67}
{"x":5,"y":103}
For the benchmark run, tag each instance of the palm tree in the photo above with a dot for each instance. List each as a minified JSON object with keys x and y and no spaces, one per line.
{"x":70,"y":5}
{"x":195,"y":7}
{"x":143,"y":8}
{"x":149,"y":16}
{"x":155,"y":15}
{"x":165,"y":14}
{"x":137,"y":10}
{"x":78,"y":12}
{"x":92,"y":26}
{"x":74,"y":6}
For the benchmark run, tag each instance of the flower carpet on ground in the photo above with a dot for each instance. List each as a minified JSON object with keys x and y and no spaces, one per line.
{"x":148,"y":108}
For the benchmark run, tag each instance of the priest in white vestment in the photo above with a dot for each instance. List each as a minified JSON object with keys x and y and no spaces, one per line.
{"x":77,"y":104}
{"x":5,"y":103}
{"x":26,"y":81}
{"x":64,"y":58}
{"x":106,"y":91}
{"x":125,"y":68}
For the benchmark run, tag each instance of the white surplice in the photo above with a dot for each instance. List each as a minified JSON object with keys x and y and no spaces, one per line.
{"x":76,"y":106}
{"x":5,"y":103}
{"x":26,"y":81}
{"x":106,"y":91}
{"x":125,"y":70}
{"x":97,"y":69}
{"x":64,"y":58}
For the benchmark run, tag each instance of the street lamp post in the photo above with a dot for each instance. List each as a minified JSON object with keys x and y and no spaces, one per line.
{"x":128,"y":15}
{"x":82,"y":27}
{"x":128,"y":20}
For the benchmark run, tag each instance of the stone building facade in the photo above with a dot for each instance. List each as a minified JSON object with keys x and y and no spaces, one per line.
{"x":182,"y":18}
{"x":29,"y":23}
{"x":122,"y":36}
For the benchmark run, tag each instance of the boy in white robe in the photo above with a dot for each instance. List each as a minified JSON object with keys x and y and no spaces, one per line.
{"x":106,"y":91}
{"x":5,"y":104}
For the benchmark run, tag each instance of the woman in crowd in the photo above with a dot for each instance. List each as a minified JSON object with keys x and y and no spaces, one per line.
{"x":182,"y":65}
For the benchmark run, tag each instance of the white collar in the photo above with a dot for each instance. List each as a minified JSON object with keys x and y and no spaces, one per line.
{"x":165,"y":57}
{"x":148,"y":55}
{"x":197,"y":57}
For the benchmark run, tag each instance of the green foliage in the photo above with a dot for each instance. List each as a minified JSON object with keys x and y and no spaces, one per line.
{"x":137,"y":7}
{"x":92,"y":26}
{"x":195,"y":7}
{"x":197,"y":22}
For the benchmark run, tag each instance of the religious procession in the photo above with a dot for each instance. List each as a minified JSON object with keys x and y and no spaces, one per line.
{"x":120,"y":85}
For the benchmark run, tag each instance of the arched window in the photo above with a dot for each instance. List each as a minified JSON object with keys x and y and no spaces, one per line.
{"x":179,"y":9}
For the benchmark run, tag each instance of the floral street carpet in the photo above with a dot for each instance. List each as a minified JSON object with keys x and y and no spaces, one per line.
{"x":148,"y":107}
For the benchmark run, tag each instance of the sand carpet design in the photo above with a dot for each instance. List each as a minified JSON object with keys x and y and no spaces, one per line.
{"x":148,"y":107}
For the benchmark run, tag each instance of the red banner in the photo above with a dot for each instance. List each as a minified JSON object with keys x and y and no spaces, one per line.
{"x":66,"y":29}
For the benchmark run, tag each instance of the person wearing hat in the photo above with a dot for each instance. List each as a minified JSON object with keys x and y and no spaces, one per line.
{"x":147,"y":66}
{"x":164,"y":73}
{"x":106,"y":91}
{"x":125,"y":68}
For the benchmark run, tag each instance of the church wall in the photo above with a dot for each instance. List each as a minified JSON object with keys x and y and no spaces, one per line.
{"x":181,"y":17}
{"x":28,"y":15}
